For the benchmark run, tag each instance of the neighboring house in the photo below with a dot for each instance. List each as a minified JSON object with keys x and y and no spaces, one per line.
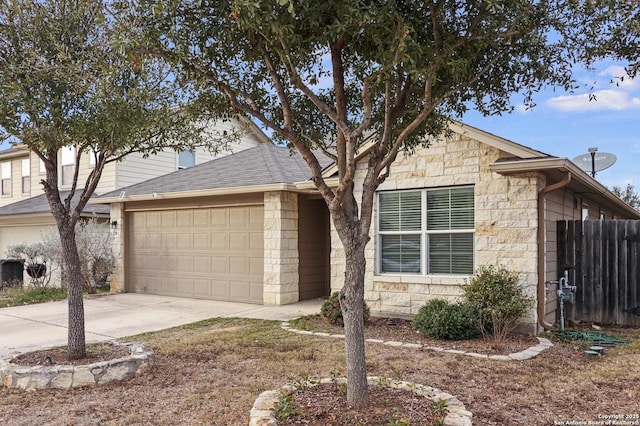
{"x":24,"y":209}
{"x":251,"y":227}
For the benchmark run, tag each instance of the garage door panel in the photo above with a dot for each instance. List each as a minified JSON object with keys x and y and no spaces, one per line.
{"x":184,"y":219}
{"x":169,"y":263}
{"x":219,"y":218}
{"x":153,"y":240}
{"x":220,"y":289}
{"x":219,"y":242}
{"x":212,"y":253}
{"x":139,"y":242}
{"x":256,"y":267}
{"x":256,"y":217}
{"x":202,"y":288}
{"x":169,"y":241}
{"x":256,"y":243}
{"x":185,"y":287}
{"x":238,"y":265}
{"x":137,"y":263}
{"x":239,"y":217}
{"x":219,"y":265}
{"x":201,"y":241}
{"x":239,"y":290}
{"x":255,"y":290}
{"x":152,"y":263}
{"x":185,"y":241}
{"x":168,"y":219}
{"x":152,"y":220}
{"x":138,"y":219}
{"x":202,"y":264}
{"x":238,"y":241}
{"x":201,"y":218}
{"x":185,"y":264}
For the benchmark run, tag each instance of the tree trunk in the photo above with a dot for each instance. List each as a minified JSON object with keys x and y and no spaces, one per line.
{"x":352,"y":304}
{"x":76,"y":338}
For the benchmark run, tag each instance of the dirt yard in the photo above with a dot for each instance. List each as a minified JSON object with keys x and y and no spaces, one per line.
{"x":211,"y":372}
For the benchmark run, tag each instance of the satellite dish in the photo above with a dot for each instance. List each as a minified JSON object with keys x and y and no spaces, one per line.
{"x":595,"y":161}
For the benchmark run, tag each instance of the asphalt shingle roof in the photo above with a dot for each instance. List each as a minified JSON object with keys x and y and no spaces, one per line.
{"x":39,"y":204}
{"x":261,"y":165}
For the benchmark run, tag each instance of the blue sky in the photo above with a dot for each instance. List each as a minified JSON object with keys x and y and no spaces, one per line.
{"x":568,"y":124}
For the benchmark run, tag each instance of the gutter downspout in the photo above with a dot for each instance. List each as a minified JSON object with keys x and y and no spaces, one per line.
{"x":541,"y":248}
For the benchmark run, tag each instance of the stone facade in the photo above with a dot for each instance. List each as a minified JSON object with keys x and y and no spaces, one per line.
{"x":263,"y":412}
{"x":280,"y":248}
{"x":117,"y":277}
{"x":505,"y":223}
{"x":69,"y":376}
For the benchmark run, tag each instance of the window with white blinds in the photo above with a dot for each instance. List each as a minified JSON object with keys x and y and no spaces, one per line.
{"x":426,"y":231}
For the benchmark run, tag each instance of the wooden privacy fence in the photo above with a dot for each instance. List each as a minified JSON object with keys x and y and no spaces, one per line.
{"x":605,"y":255}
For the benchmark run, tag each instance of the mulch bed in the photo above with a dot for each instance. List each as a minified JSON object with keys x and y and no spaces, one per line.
{"x":58,"y":356}
{"x":326,"y":405}
{"x":400,"y":329}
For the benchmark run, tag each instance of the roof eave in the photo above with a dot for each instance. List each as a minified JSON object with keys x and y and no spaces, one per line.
{"x":308,"y":185}
{"x":563,"y":165}
{"x":47,"y":215}
{"x":197,"y":193}
{"x":498,"y":142}
{"x":19,"y":151}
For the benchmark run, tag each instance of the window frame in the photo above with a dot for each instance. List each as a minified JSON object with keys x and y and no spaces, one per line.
{"x":5,"y":168}
{"x":193,"y":156}
{"x":25,"y":181}
{"x":424,"y":233}
{"x":67,"y":165}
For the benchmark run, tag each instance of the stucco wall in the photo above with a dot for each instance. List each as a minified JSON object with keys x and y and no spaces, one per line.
{"x":505,"y":223}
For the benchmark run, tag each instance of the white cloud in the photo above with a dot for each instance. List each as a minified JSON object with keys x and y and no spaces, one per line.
{"x":615,"y":99}
{"x":620,"y":78}
{"x":523,"y":109}
{"x":613,"y":90}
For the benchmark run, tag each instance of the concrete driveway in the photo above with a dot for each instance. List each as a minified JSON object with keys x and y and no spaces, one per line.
{"x":31,"y":327}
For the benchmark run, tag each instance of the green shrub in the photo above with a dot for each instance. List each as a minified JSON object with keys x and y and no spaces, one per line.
{"x":499,"y":302}
{"x":440,"y":319}
{"x":332,"y":311}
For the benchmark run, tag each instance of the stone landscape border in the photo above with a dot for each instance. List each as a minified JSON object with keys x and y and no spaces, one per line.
{"x":263,"y":412}
{"x":528,"y":353}
{"x":70,"y":376}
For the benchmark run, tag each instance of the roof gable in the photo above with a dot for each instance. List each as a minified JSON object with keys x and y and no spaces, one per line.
{"x":511,"y":148}
{"x":265,"y":164}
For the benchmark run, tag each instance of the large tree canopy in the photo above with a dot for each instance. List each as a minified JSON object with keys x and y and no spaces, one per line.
{"x":628,"y":194}
{"x":348,"y":76}
{"x":63,"y":85}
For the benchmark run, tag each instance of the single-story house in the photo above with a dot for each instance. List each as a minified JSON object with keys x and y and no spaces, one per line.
{"x":251,"y":227}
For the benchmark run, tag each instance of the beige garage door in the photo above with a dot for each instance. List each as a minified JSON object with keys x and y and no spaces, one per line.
{"x":212,"y":253}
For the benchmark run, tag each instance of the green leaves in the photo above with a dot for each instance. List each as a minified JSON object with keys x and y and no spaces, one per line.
{"x":497,"y":298}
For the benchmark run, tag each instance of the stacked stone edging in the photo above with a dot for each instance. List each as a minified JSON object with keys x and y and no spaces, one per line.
{"x":528,"y":353}
{"x":263,"y":412}
{"x":69,"y":376}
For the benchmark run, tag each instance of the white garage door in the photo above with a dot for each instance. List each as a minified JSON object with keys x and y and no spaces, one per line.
{"x":210,"y":253}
